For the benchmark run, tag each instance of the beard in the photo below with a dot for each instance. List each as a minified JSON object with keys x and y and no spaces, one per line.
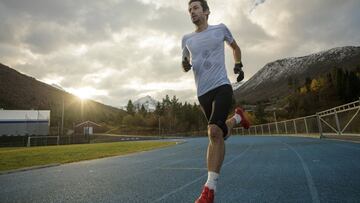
{"x":195,"y":20}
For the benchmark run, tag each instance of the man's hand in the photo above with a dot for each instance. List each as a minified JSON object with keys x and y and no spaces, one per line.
{"x":186,"y":64}
{"x":238,"y":70}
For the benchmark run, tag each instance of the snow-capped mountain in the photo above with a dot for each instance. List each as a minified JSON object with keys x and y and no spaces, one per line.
{"x":148,"y":102}
{"x":237,"y":85}
{"x":272,"y":80}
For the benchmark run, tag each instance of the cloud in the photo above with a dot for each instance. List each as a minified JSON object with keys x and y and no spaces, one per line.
{"x":130,"y":48}
{"x":256,"y":3}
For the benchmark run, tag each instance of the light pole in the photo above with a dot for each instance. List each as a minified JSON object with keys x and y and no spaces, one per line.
{"x":62,"y":117}
{"x":159,"y":127}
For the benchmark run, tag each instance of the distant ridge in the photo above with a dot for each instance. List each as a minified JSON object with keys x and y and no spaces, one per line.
{"x":272,"y":80}
{"x":19,"y":91}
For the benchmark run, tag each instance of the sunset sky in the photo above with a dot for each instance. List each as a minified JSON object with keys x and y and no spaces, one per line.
{"x":115,"y":50}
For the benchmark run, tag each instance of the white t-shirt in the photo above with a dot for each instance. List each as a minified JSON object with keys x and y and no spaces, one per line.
{"x":206,"y":53}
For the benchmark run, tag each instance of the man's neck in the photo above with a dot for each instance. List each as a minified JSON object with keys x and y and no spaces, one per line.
{"x":201,"y":27}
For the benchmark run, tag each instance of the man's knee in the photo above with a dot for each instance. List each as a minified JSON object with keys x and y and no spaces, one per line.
{"x":215,"y":132}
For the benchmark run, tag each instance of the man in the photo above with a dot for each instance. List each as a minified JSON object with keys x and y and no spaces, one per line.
{"x":203,"y":51}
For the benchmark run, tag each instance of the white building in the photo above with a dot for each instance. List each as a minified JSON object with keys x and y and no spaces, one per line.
{"x":24,"y":122}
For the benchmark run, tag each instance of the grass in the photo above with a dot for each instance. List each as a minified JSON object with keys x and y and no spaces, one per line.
{"x":20,"y":157}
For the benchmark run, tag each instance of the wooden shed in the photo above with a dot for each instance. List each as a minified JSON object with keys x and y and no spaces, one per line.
{"x":88,"y":128}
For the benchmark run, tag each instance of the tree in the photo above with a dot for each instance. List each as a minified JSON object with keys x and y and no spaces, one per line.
{"x":159,"y":111}
{"x":307,"y":83}
{"x":130,"y":108}
{"x":260,"y":113}
{"x":142,"y":110}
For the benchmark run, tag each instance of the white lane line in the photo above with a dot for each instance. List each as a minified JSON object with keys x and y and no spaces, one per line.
{"x":179,"y":168}
{"x":310,"y":182}
{"x":199,"y":178}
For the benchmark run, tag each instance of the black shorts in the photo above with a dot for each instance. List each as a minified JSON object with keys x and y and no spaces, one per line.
{"x":216,"y":105}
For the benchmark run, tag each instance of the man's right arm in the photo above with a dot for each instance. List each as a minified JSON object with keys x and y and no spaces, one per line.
{"x":185,"y":56}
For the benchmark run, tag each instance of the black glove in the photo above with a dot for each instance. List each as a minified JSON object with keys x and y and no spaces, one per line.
{"x":240,"y":77}
{"x":238,"y":70}
{"x":186,"y":64}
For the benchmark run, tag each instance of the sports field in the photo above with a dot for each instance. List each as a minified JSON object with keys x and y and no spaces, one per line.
{"x":20,"y":157}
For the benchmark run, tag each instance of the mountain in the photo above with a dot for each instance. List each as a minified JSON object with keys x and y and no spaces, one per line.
{"x":272,"y":80}
{"x":148,"y":102}
{"x":237,"y":85}
{"x":19,"y":91}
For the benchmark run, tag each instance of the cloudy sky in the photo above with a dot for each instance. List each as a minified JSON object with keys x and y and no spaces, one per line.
{"x":115,"y":50}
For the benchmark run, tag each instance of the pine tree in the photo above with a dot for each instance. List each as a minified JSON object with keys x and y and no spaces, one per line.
{"x":143,"y":111}
{"x":130,"y":108}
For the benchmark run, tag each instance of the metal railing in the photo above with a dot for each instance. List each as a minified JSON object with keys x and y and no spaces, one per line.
{"x":42,"y":138}
{"x":341,"y":120}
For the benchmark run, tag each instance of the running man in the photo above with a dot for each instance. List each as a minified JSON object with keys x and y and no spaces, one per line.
{"x":203,"y":51}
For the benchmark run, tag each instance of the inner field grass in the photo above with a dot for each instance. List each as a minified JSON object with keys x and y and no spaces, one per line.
{"x":20,"y":157}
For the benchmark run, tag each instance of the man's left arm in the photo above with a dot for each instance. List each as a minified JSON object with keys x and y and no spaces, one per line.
{"x":237,"y":58}
{"x":236,"y":52}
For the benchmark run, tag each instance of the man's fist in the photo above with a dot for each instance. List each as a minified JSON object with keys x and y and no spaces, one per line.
{"x":238,"y":70}
{"x":240,"y":77}
{"x":186,"y":64}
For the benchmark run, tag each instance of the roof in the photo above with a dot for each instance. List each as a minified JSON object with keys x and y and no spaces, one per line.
{"x":80,"y":124}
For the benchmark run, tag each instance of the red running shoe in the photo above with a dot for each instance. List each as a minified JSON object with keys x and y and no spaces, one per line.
{"x":207,"y":196}
{"x":244,"y":121}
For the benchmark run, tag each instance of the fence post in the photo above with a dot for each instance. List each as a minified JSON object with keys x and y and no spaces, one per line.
{"x":269,"y":128}
{"x":262,"y":129}
{"x":306,"y":126}
{"x":286,"y":132}
{"x":337,"y":124}
{"x":28,"y":142}
{"x":319,"y":125}
{"x":255,"y":130}
{"x":295,"y":126}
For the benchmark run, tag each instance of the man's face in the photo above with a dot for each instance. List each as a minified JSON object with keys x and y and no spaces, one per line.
{"x":196,"y":12}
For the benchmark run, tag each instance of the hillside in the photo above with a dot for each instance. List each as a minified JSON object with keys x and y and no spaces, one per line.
{"x":19,"y":91}
{"x":272,"y":81}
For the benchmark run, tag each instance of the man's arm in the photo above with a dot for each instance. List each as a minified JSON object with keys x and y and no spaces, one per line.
{"x":236,"y":52}
{"x":238,"y":64}
{"x":185,"y":56}
{"x":186,"y":60}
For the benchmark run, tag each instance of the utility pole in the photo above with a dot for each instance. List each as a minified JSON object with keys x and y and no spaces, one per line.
{"x":159,"y":127}
{"x":62,"y":117}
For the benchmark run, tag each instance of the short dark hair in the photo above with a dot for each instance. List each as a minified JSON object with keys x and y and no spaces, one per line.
{"x":203,"y":3}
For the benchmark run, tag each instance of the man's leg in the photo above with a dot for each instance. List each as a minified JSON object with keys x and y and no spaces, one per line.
{"x":215,"y":158}
{"x":230,"y":123}
{"x":216,"y":148}
{"x":216,"y":109}
{"x":238,"y":118}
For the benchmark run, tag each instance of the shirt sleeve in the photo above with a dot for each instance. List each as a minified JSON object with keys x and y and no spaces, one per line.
{"x":227,"y":35}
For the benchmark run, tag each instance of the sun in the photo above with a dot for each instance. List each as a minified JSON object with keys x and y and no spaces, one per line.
{"x":83,"y":93}
{"x":87,"y":92}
